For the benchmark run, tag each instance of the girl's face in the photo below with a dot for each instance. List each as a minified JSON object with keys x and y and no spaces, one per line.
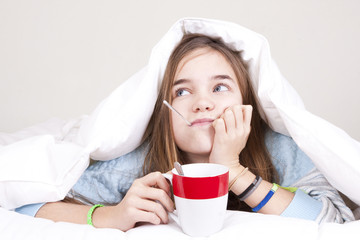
{"x":205,"y":85}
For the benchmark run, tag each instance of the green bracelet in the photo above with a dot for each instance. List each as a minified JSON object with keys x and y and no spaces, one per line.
{"x":90,"y":213}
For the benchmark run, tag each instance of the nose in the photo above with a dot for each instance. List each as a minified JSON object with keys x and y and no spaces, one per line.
{"x":203,"y":103}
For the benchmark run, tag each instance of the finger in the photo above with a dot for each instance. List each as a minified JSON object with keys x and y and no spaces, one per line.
{"x":239,"y":116}
{"x":229,"y":119}
{"x":247,"y":116}
{"x":154,"y":207}
{"x":161,"y":193}
{"x":157,"y":195}
{"x":156,"y":179}
{"x":145,"y":216}
{"x":219,"y":126}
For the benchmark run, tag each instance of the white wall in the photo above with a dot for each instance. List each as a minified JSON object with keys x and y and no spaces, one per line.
{"x":61,"y":58}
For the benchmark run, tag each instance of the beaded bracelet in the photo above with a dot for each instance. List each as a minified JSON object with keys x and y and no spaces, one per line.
{"x":250,"y":189}
{"x":237,"y":177}
{"x":90,"y":213}
{"x":267,"y":198}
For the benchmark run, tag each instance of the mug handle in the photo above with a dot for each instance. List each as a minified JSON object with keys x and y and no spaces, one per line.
{"x":174,"y":217}
{"x":168,"y":176}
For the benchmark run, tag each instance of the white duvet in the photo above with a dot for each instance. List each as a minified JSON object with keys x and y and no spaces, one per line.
{"x":41,"y":163}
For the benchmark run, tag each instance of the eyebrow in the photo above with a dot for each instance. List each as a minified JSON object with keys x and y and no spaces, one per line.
{"x":216,"y":77}
{"x":223,"y":76}
{"x":180,"y":81}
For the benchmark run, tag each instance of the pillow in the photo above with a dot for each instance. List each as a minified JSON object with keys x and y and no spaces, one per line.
{"x":39,"y":169}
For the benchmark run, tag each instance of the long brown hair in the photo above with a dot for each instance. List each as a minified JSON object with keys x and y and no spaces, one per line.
{"x":163,"y":151}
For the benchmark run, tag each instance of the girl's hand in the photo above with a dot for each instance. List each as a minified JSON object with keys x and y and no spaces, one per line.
{"x":232,"y":130}
{"x":146,"y":201}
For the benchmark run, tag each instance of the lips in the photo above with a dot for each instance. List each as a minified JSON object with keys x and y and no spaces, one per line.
{"x":202,"y":121}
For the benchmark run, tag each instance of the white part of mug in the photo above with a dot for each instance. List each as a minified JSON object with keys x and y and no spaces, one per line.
{"x":201,"y":217}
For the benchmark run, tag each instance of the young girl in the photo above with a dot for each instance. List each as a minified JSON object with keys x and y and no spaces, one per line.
{"x":208,"y":84}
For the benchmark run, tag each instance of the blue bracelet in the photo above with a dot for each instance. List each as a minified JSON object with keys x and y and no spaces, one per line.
{"x":267,"y":198}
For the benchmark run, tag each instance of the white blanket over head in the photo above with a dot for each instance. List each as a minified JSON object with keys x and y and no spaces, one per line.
{"x":42,"y":163}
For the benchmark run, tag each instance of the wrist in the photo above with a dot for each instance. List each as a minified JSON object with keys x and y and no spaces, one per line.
{"x":235,"y":171}
{"x":243,"y":182}
{"x":101,"y":217}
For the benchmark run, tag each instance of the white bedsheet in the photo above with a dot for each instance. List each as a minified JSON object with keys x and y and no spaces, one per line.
{"x":41,"y":163}
{"x":241,"y":225}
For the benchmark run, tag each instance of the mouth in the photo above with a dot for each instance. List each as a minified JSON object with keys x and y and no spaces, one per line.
{"x":202,"y":122}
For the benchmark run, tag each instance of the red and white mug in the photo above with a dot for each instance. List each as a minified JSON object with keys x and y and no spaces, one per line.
{"x":200,"y":197}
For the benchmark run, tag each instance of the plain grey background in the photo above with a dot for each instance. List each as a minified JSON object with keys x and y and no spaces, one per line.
{"x":61,"y":58}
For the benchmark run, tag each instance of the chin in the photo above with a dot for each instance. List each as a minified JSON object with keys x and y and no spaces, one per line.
{"x":200,"y":150}
{"x":197,"y":150}
{"x":197,"y":145}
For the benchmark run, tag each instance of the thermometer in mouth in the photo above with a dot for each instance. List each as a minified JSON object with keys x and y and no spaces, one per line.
{"x":173,"y":109}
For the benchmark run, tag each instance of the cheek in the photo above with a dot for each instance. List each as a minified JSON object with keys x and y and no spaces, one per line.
{"x":180,"y":138}
{"x":229,"y":102}
{"x":180,"y":131}
{"x":177,"y":120}
{"x":176,"y":127}
{"x":238,"y":99}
